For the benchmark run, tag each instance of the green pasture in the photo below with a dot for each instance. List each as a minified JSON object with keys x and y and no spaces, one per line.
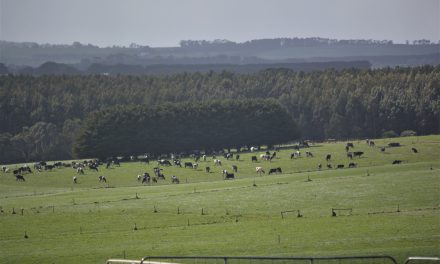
{"x":395,"y":209}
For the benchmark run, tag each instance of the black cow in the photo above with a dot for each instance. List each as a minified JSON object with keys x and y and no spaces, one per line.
{"x":328,"y":157}
{"x":350,"y":155}
{"x":414,"y":150}
{"x":397,"y":162}
{"x":309,"y":154}
{"x":254,"y":158}
{"x":146,"y":179}
{"x":102,"y":179}
{"x":207,"y":169}
{"x":235,"y":168}
{"x":116,"y":163}
{"x":237,"y":157}
{"x":394,"y":144}
{"x":329,"y":166}
{"x":174,"y":179}
{"x":188,"y":164}
{"x":49,"y":167}
{"x":93,"y":167}
{"x":358,"y":153}
{"x":229,"y":175}
{"x":275,"y":170}
{"x":340,"y":166}
{"x":164,"y":162}
{"x":350,"y":145}
{"x":352,"y":165}
{"x":19,"y":177}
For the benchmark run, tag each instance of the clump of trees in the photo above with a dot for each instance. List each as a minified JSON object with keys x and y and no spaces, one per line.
{"x":207,"y":126}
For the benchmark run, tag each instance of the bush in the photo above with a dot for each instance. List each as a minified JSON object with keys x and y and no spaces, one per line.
{"x":408,"y":133}
{"x":389,"y":134}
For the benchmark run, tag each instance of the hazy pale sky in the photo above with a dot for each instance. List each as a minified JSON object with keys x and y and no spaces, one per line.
{"x":166,"y":22}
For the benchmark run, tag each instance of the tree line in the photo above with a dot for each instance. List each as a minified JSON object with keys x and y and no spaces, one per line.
{"x":183,"y":127}
{"x":341,"y":104}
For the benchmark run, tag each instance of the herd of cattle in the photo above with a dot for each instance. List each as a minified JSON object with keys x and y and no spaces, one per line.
{"x":146,"y":178}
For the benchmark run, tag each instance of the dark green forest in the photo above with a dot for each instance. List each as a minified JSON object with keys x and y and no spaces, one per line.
{"x":184,"y":127}
{"x":41,"y":116}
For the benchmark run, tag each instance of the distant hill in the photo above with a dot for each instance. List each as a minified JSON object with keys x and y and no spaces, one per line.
{"x":262,"y":51}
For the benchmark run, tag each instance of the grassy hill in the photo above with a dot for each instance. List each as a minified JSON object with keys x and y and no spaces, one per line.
{"x":394,"y":208}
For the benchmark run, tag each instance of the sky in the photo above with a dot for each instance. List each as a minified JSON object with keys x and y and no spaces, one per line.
{"x":163,"y":23}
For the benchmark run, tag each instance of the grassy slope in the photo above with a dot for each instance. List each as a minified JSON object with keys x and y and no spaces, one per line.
{"x":87,"y":223}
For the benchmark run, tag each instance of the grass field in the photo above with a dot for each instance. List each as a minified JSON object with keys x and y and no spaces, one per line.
{"x":395,"y":209}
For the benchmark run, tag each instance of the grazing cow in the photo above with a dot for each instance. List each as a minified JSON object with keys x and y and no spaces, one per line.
{"x":414,"y":150}
{"x":295,"y":154}
{"x":19,"y":177}
{"x":93,"y":167}
{"x":328,"y":157}
{"x":309,"y":154}
{"x":370,"y":143}
{"x":80,"y":170}
{"x":265,"y":157}
{"x":175,"y":180}
{"x":207,"y":169}
{"x":275,"y":170}
{"x":102,"y":179}
{"x":75,"y":180}
{"x":164,"y":162}
{"x":229,"y":156}
{"x":177,"y":163}
{"x":329,"y":166}
{"x":350,"y":145}
{"x":139,"y":177}
{"x":146,"y":179}
{"x":394,"y":144}
{"x":254,"y":158}
{"x":235,"y":168}
{"x":116,"y":163}
{"x":217,"y":162}
{"x":195,"y":166}
{"x":347,"y":148}
{"x":350,"y":155}
{"x":156,"y":170}
{"x":319,"y":166}
{"x":229,"y":176}
{"x":357,"y":154}
{"x":188,"y":164}
{"x":204,"y":157}
{"x":340,"y":166}
{"x":237,"y":157}
{"x":49,"y":167}
{"x":259,"y":170}
{"x":352,"y":165}
{"x":382,"y":149}
{"x":397,"y":162}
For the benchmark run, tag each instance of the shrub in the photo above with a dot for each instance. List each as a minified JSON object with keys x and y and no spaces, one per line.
{"x":389,"y":134}
{"x":408,"y":133}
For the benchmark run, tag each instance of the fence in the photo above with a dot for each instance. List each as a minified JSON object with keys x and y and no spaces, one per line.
{"x":258,"y":260}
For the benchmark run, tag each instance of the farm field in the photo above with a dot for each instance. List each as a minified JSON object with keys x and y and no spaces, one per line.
{"x":391,"y":209}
